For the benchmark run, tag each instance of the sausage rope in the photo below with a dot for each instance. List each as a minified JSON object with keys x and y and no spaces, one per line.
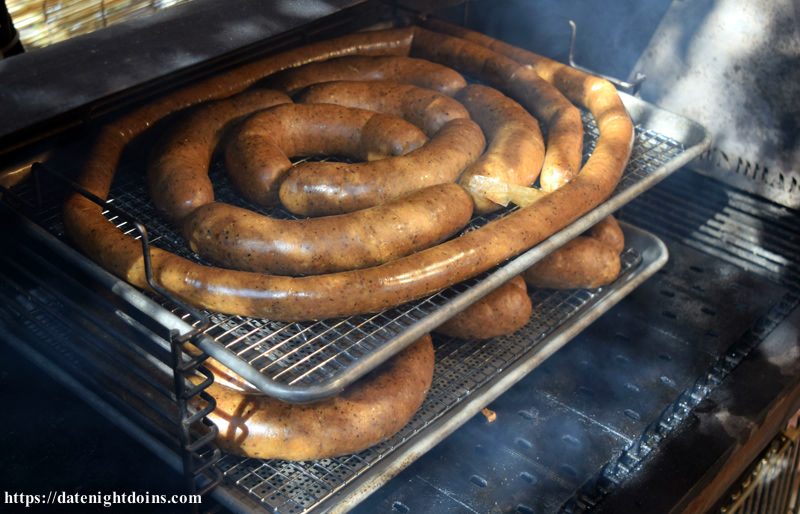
{"x":367,"y":290}
{"x":371,"y":410}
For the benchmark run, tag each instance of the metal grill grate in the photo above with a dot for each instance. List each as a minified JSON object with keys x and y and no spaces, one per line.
{"x":772,"y":484}
{"x":461,"y":369}
{"x":305,"y":354}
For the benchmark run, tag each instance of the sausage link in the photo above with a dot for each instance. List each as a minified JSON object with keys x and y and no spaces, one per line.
{"x":503,"y":311}
{"x":257,"y":155}
{"x":323,"y":188}
{"x":516,"y":148}
{"x":583,"y":262}
{"x":426,"y":109}
{"x":245,"y":240}
{"x":417,"y":72}
{"x":178,"y":174}
{"x":608,"y":232}
{"x":371,"y":410}
{"x":563,"y":121}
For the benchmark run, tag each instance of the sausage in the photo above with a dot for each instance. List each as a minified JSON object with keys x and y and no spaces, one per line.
{"x":370,"y":411}
{"x":302,"y":298}
{"x":323,"y":188}
{"x":608,"y":232}
{"x":177,"y":175}
{"x":594,"y":93}
{"x":313,"y":189}
{"x":588,"y":261}
{"x":245,"y":240}
{"x":418,"y":72}
{"x":516,"y":148}
{"x":582,"y":263}
{"x":107,"y":148}
{"x":424,"y":108}
{"x":563,"y":121}
{"x":257,"y":155}
{"x":503,"y":311}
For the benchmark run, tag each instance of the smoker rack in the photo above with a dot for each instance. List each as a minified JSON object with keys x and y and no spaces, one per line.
{"x":306,"y":361}
{"x":467,"y":376}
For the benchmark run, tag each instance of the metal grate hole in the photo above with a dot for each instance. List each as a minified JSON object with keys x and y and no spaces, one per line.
{"x":523,"y":443}
{"x":634,"y":415}
{"x":400,"y":507}
{"x":665,"y":357}
{"x":568,"y":471}
{"x":697,"y":269}
{"x":527,"y":414}
{"x":571,"y":440}
{"x":528,"y":477}
{"x":524,"y":509}
{"x":709,"y":311}
{"x":632,"y":387}
{"x":585,"y":391}
{"x":667,"y":293}
{"x":667,"y":381}
{"x":478,"y":480}
{"x":622,"y":359}
{"x":669,"y":314}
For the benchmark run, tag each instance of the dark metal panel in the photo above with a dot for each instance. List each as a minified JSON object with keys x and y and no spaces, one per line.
{"x":42,"y":84}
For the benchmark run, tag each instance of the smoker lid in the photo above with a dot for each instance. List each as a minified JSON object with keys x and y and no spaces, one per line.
{"x":40,"y":88}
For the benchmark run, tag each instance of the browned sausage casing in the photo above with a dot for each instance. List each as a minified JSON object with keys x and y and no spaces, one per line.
{"x":608,"y":232}
{"x":241,"y":239}
{"x":516,"y":148}
{"x":595,"y":93}
{"x":257,"y":155}
{"x":370,"y":411}
{"x":324,"y":188}
{"x":563,"y":120}
{"x":583,"y":262}
{"x":418,"y":72}
{"x":503,"y":311}
{"x":426,"y":109}
{"x":178,"y":173}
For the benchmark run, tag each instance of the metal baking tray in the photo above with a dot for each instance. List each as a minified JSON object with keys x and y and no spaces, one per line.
{"x":468,"y":376}
{"x":307,"y":361}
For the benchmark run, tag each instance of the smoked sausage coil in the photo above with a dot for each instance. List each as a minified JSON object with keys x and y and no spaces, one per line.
{"x":503,"y":311}
{"x":368,"y":290}
{"x":368,"y":412}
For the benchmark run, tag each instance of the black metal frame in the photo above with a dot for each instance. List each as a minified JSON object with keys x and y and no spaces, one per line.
{"x":199,"y":454}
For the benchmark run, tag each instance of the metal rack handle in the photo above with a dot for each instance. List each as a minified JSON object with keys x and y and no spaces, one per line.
{"x":629,"y":87}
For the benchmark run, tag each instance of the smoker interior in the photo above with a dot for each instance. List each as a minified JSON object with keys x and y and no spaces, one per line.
{"x":571,"y":433}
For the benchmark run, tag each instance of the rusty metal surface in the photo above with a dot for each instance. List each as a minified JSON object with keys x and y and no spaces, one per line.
{"x":734,"y":65}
